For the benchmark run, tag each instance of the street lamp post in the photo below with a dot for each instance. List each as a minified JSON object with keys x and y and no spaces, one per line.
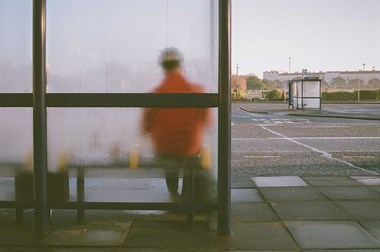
{"x":237,"y":79}
{"x":358,"y":90}
{"x":364,"y":75}
{"x":290,"y":77}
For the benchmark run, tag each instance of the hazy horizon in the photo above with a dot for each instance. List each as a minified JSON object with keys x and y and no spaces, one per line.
{"x":318,"y":35}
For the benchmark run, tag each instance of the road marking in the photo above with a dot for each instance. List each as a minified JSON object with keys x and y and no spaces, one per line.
{"x":325,"y":138}
{"x":261,"y":156}
{"x":249,"y":138}
{"x":360,"y":156}
{"x":319,"y":127}
{"x":323,"y":153}
{"x":303,"y":138}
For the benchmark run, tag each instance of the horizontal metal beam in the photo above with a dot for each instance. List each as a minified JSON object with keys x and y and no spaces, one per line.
{"x":16,"y":100}
{"x":132,"y":206}
{"x":16,"y":204}
{"x":112,"y":100}
{"x":132,"y":100}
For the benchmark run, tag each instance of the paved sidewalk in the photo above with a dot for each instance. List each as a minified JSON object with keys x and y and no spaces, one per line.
{"x":287,"y":213}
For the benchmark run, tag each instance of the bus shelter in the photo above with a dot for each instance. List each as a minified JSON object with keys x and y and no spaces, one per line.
{"x":72,"y":95}
{"x":305,"y":93}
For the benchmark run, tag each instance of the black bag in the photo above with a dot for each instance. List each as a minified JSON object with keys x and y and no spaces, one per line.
{"x":205,"y":186}
{"x":58,"y":186}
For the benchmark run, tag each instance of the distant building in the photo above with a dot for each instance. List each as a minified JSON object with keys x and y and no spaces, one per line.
{"x":337,"y":79}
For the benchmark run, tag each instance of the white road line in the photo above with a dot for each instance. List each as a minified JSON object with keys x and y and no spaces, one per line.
{"x":323,"y":153}
{"x":330,"y":138}
{"x":323,"y":127}
{"x":304,"y":138}
{"x":250,"y":138}
{"x":261,"y":156}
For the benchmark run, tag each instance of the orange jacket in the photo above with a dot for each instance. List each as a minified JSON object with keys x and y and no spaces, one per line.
{"x":176,"y":131}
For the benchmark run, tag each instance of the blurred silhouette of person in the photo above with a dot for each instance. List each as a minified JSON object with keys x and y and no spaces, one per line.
{"x":176,"y":133}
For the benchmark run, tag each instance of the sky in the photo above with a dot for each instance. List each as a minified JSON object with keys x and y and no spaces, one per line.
{"x":318,"y":35}
{"x":96,"y":42}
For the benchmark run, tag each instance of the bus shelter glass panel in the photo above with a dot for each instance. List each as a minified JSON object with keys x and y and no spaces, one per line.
{"x":107,"y":158}
{"x":305,"y":94}
{"x":15,"y":46}
{"x":112,"y":46}
{"x":311,"y":94}
{"x":16,"y":150}
{"x":293,"y":93}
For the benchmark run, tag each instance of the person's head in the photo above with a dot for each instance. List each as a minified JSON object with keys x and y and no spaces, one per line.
{"x":170,"y":59}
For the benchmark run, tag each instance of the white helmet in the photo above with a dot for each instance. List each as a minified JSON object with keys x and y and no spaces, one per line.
{"x":170,"y":54}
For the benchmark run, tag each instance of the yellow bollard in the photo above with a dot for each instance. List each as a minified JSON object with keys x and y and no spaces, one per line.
{"x":62,"y":162}
{"x":206,"y":157}
{"x":134,"y":158}
{"x":28,"y":161}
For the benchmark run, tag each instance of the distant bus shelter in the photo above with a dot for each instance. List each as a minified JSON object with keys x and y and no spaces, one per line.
{"x":305,"y":93}
{"x":76,"y":103}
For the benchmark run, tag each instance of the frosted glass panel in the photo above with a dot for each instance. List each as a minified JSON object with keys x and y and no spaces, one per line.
{"x":102,"y":137}
{"x":15,"y":46}
{"x":118,"y":161}
{"x":16,"y":148}
{"x":16,"y":134}
{"x":311,"y":103}
{"x":311,"y":89}
{"x":112,"y":46}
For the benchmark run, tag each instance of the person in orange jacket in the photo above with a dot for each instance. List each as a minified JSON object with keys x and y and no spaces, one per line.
{"x":176,"y":133}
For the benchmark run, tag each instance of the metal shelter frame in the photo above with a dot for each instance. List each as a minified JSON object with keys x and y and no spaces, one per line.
{"x":39,"y":100}
{"x":296,"y":95}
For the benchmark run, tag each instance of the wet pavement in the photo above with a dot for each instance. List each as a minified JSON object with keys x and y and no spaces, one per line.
{"x":269,"y":213}
{"x":285,"y":213}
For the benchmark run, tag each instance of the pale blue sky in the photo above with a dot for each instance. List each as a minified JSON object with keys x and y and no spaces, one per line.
{"x":318,"y":35}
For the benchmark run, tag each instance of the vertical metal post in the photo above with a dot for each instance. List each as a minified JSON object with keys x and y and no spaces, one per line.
{"x":320,"y":94}
{"x":302,"y":93}
{"x":80,"y":195}
{"x":39,"y":117}
{"x":224,"y":120}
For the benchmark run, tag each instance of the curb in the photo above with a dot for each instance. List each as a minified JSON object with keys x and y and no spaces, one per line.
{"x":337,"y":116}
{"x":314,"y":115}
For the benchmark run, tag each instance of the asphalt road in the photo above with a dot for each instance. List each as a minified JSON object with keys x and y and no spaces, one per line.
{"x":275,"y":143}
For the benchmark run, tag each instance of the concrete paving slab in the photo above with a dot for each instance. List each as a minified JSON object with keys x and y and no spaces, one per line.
{"x":275,"y":194}
{"x":94,"y":233}
{"x":367,"y":180}
{"x":361,"y":210}
{"x":246,"y":195}
{"x":278,"y":181}
{"x":169,"y":235}
{"x":341,"y":250}
{"x":126,"y":190}
{"x":331,"y":235}
{"x":253,"y":212}
{"x":376,"y":188}
{"x":20,"y":234}
{"x":349,"y":192}
{"x":103,"y":249}
{"x":241,"y":182}
{"x":258,"y":237}
{"x":373,"y":227}
{"x":330,"y":181}
{"x":309,"y":210}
